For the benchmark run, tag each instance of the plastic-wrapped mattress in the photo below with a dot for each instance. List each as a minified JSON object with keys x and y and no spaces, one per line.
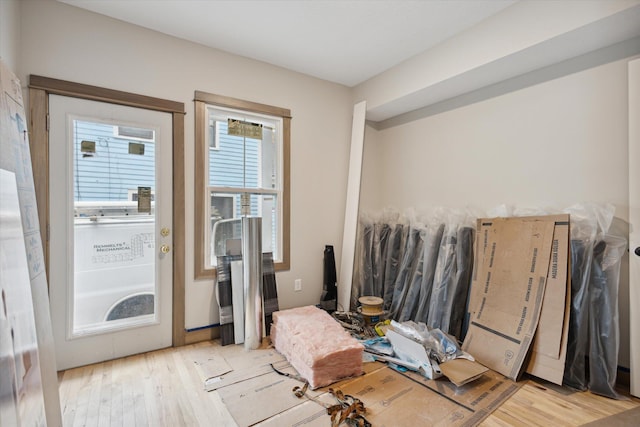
{"x":316,"y":345}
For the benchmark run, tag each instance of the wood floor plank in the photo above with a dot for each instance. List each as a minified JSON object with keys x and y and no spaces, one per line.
{"x":92,"y":391}
{"x":70,"y":384}
{"x":156,"y":413}
{"x":107,"y":399}
{"x":536,"y":405}
{"x":116,"y":414}
{"x":192,"y":396}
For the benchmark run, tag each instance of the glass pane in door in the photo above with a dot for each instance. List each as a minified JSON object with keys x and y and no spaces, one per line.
{"x":113,"y":225}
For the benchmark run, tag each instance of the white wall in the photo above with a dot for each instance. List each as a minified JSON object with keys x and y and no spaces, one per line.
{"x":519,"y":39}
{"x":9,"y":33}
{"x":68,"y":43}
{"x":554,"y":144}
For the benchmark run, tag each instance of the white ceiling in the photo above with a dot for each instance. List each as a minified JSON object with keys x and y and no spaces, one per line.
{"x":343,"y":41}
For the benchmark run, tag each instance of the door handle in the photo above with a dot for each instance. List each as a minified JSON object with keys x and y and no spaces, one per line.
{"x":637,"y":251}
{"x":165,"y":249}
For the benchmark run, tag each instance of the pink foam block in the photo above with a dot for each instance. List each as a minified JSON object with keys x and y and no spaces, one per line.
{"x":316,"y":345}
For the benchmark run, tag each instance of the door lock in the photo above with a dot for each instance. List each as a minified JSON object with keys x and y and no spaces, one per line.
{"x":165,"y":249}
{"x":637,"y":251}
{"x":164,"y":232}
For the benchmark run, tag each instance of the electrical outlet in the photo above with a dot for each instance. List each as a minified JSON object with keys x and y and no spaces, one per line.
{"x":297,"y":285}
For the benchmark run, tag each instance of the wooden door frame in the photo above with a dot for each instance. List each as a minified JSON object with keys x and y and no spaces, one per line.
{"x":634,"y":224}
{"x":39,"y":90}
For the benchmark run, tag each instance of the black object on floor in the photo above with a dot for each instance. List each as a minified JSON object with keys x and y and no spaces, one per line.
{"x":269,"y":290}
{"x":225,"y":302}
{"x":328,"y":300}
{"x":225,"y":293}
{"x":578,"y":339}
{"x":603,"y":316}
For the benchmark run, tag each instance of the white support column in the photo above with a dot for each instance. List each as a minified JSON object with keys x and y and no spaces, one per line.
{"x":351,"y":210}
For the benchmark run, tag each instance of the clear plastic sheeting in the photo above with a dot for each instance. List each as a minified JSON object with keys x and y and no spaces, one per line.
{"x":409,"y":261}
{"x":589,"y":223}
{"x":408,"y":268}
{"x":441,"y":347}
{"x":394,"y":252}
{"x":419,"y":297}
{"x":575,"y":365}
{"x":603,"y":315}
{"x":452,"y":280}
{"x":422,"y":268}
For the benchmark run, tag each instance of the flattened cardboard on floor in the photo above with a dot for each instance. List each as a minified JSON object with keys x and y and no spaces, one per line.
{"x":257,"y":363}
{"x":259,"y":398}
{"x":462,"y":371}
{"x":310,"y":413}
{"x":508,"y":292}
{"x":394,"y":399}
{"x":212,"y":366}
{"x":307,"y":414}
{"x":480,"y":397}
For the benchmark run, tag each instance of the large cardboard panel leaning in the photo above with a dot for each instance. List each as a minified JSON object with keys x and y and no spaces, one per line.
{"x":15,"y":157}
{"x":549,"y":349}
{"x":508,"y":292}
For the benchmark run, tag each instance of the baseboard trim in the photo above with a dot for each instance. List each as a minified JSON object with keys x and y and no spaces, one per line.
{"x":199,"y":335}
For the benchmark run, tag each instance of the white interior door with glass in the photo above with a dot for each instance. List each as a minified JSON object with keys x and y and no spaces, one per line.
{"x":110,"y":189}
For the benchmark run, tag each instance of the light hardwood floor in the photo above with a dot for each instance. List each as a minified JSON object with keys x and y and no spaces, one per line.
{"x":163,"y":388}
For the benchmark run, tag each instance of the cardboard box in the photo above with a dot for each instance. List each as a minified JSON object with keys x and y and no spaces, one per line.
{"x":508,"y":291}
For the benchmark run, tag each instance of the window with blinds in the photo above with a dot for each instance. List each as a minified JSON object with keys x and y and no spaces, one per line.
{"x":242,"y":149}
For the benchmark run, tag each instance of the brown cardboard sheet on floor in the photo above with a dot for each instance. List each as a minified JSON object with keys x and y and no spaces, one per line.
{"x":394,"y":399}
{"x":307,"y":414}
{"x":462,"y":371}
{"x":258,"y":398}
{"x":244,"y":365}
{"x":212,"y":366}
{"x":479,"y":397}
{"x":508,"y":291}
